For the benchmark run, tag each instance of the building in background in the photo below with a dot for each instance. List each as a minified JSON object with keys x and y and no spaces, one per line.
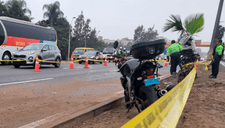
{"x":123,"y":41}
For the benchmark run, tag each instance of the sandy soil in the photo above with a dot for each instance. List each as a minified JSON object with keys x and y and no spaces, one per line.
{"x":26,"y":103}
{"x":205,"y":107}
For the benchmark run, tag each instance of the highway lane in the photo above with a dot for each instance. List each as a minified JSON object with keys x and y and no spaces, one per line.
{"x":54,"y":90}
{"x":10,"y":75}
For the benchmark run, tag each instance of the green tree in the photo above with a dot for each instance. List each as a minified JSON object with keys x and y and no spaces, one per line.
{"x":140,"y":35}
{"x":44,"y":23}
{"x":193,"y":24}
{"x":18,"y":9}
{"x":83,"y":35}
{"x":53,"y":12}
{"x":3,"y":10}
{"x":62,"y":29}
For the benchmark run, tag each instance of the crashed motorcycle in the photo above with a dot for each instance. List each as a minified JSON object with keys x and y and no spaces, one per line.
{"x":140,"y":76}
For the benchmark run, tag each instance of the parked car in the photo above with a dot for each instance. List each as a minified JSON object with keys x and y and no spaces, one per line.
{"x":95,"y":55}
{"x":27,"y":55}
{"x":80,"y":51}
{"x":108,"y":52}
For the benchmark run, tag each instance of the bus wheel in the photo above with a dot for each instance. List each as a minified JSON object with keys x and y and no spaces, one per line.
{"x":6,"y":56}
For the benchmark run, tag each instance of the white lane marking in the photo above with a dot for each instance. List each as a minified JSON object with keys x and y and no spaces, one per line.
{"x":40,"y":122}
{"x":26,"y":81}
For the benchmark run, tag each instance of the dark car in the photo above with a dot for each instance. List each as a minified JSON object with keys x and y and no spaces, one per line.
{"x":108,"y":52}
{"x":80,"y":51}
{"x":48,"y":52}
{"x":94,"y":56}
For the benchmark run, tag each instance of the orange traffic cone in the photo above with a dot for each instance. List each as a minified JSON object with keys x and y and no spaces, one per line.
{"x":37,"y":65}
{"x":105,"y":64}
{"x":166,"y":63}
{"x":196,"y":66}
{"x":72,"y":64}
{"x":86,"y":63}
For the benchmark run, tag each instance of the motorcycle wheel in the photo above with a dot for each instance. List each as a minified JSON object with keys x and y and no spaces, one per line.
{"x":148,"y":94}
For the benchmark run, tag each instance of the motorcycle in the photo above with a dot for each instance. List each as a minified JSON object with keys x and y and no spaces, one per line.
{"x":139,"y":76}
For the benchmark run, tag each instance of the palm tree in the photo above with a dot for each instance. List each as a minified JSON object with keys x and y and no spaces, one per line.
{"x":18,"y":9}
{"x":193,"y":24}
{"x":53,"y":12}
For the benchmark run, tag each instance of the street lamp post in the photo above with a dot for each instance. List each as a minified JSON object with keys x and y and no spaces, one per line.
{"x":69,"y":39}
{"x":213,"y":41}
{"x":85,"y":40}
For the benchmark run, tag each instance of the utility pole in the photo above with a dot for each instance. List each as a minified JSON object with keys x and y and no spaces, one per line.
{"x":69,"y":40}
{"x":213,"y":41}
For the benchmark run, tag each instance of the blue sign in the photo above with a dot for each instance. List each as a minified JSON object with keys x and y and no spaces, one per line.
{"x":151,"y":81}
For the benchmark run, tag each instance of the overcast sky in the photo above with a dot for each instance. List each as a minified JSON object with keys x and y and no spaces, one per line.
{"x":116,"y":19}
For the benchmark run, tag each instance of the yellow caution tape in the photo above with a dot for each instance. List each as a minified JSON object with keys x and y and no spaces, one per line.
{"x":96,"y":60}
{"x":197,"y":63}
{"x":53,"y":61}
{"x":166,"y":111}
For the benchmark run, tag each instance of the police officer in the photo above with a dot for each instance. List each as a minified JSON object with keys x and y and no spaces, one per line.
{"x":124,"y":52}
{"x":222,"y":44}
{"x":174,"y":53}
{"x":119,"y":52}
{"x":217,"y":56}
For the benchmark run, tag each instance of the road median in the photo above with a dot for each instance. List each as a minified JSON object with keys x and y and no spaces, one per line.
{"x":72,"y":118}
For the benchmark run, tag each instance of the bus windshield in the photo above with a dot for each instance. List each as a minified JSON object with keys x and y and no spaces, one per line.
{"x":34,"y":46}
{"x":2,"y":35}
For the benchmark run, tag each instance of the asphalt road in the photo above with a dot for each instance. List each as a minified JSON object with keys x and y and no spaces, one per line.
{"x":11,"y":76}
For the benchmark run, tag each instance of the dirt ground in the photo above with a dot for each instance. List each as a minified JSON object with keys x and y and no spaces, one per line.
{"x":26,"y":103}
{"x":205,"y":107}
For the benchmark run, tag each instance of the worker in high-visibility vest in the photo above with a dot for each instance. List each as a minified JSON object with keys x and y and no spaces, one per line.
{"x":124,"y":51}
{"x":217,"y":56}
{"x":223,"y":50}
{"x":174,"y":53}
{"x":119,"y":52}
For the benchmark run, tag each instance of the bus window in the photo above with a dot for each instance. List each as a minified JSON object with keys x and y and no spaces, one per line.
{"x":30,"y":32}
{"x":52,"y":37}
{"x":2,"y":35}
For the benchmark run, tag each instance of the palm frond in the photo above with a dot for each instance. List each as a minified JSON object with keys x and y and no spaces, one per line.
{"x":175,"y":24}
{"x":194,"y":23}
{"x":45,"y":6}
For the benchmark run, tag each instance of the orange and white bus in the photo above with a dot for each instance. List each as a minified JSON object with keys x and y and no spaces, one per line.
{"x":15,"y":34}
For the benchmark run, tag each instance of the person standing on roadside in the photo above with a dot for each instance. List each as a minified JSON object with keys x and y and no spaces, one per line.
{"x":119,"y":52}
{"x":217,"y":56}
{"x":124,"y":52}
{"x":223,"y":50}
{"x":174,"y":53}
